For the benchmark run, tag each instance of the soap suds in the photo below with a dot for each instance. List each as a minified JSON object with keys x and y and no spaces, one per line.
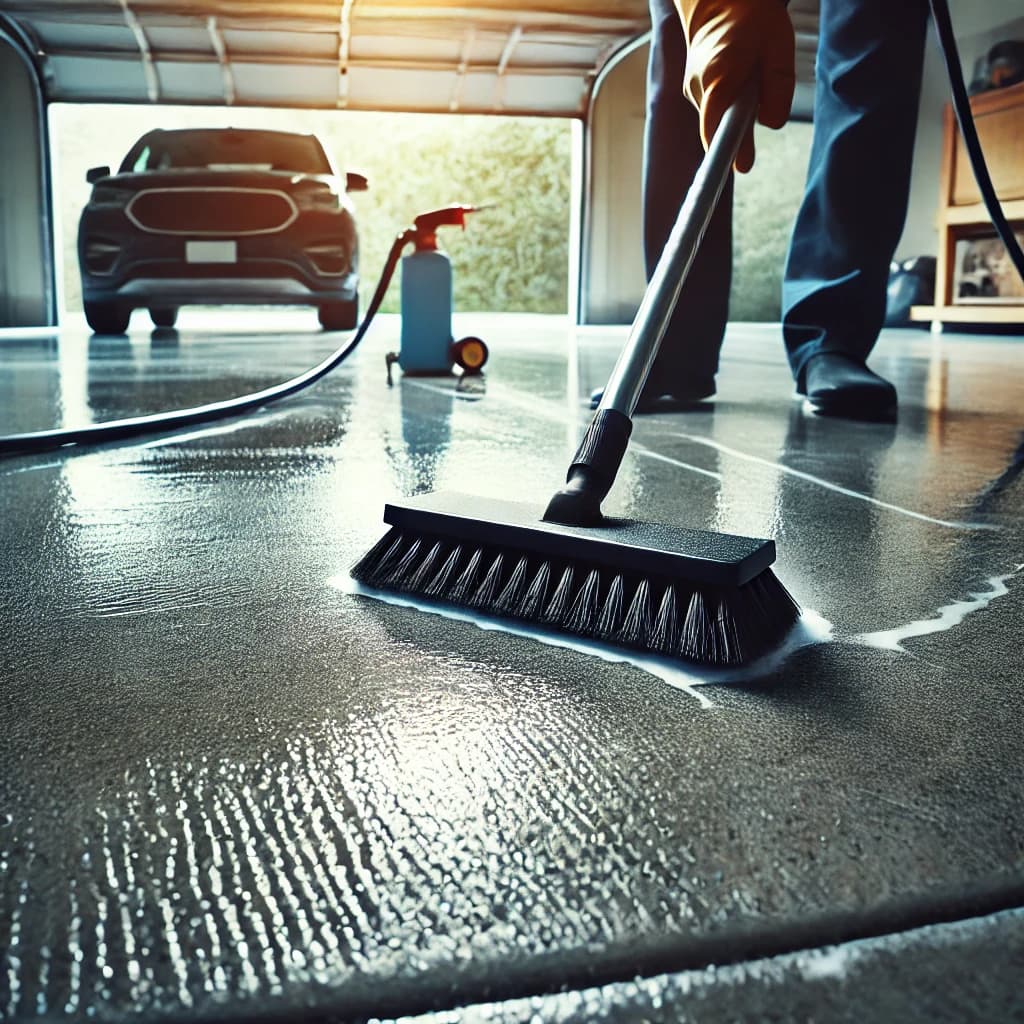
{"x":946,"y":618}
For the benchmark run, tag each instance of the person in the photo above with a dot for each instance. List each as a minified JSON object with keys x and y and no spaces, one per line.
{"x":868,"y":75}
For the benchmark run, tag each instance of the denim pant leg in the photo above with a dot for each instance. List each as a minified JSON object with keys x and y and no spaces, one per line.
{"x":865,"y":115}
{"x":672,"y":154}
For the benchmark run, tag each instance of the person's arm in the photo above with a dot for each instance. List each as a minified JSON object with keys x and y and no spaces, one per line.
{"x":728,"y":43}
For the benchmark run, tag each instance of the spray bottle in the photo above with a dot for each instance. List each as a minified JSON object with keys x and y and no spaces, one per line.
{"x":427,"y":346}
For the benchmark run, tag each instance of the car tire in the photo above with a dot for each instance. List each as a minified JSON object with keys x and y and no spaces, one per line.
{"x":339,"y":316}
{"x":107,"y":317}
{"x":164,"y":316}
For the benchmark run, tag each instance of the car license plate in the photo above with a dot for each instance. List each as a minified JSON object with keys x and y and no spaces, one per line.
{"x":211,"y":252}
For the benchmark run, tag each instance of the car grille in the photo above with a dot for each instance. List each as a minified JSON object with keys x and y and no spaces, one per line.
{"x":211,"y":211}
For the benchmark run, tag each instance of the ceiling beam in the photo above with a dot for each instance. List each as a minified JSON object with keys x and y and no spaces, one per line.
{"x":298,"y":60}
{"x":219,"y":48}
{"x":460,"y":70}
{"x":344,"y":50}
{"x":503,"y":62}
{"x":146,"y":55}
{"x":325,"y":18}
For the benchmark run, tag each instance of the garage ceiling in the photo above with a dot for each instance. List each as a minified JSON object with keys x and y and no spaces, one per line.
{"x":524,"y":56}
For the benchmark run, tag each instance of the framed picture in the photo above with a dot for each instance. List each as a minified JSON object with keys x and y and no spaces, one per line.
{"x":984,"y":273}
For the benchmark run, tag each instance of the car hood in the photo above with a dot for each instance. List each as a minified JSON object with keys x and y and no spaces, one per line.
{"x":285,"y":181}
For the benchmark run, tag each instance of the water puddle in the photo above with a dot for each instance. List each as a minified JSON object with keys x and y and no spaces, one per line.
{"x":249,"y":421}
{"x":826,"y":484}
{"x":811,"y":629}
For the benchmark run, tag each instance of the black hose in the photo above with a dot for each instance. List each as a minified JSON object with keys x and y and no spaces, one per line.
{"x":962,"y":107}
{"x":117,"y":430}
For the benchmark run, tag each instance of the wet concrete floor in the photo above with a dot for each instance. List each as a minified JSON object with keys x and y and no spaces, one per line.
{"x":230,"y":789}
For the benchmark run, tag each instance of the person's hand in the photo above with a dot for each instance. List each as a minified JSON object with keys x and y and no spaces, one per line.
{"x":730,"y":42}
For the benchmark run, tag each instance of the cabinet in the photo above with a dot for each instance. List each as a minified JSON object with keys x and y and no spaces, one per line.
{"x":962,"y":219}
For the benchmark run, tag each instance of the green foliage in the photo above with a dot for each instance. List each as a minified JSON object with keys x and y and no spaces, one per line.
{"x":513,"y":256}
{"x":765,"y":205}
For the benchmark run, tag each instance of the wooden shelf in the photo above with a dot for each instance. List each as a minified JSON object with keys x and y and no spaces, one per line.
{"x":999,"y":116}
{"x":969,"y":314}
{"x":976,"y":213}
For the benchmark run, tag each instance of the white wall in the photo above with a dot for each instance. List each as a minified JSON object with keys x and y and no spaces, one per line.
{"x":25,"y":272}
{"x":612,"y":261}
{"x":978,"y":24}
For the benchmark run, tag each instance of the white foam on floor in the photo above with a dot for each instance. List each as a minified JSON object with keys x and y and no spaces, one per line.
{"x":946,"y":618}
{"x":811,"y":629}
{"x":829,"y":964}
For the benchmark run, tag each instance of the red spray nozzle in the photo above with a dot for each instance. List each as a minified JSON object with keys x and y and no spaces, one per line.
{"x":426,"y":224}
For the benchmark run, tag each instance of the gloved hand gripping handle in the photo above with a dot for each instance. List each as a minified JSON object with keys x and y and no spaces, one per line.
{"x":599,"y":456}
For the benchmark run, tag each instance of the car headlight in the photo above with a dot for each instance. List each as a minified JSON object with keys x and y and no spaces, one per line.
{"x":109,"y":195}
{"x":319,"y":199}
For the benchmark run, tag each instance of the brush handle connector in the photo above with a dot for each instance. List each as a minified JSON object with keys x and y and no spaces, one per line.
{"x":592,"y":472}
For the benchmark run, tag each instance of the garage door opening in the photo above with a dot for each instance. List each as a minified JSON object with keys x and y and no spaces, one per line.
{"x":513,"y":257}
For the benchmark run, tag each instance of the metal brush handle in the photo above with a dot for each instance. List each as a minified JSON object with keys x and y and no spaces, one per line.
{"x":659,"y":301}
{"x":600,"y":453}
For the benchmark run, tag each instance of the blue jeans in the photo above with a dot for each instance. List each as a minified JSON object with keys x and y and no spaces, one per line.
{"x":865,"y":115}
{"x":865,"y":112}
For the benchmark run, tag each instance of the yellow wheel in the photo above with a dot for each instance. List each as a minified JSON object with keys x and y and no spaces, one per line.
{"x":470,"y":353}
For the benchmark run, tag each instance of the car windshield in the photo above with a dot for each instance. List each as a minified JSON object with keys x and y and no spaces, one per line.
{"x":227,"y":149}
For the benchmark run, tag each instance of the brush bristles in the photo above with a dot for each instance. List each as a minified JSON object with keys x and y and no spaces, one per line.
{"x":710,"y":625}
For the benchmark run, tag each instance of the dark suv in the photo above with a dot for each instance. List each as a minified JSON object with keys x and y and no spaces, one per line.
{"x":222,"y":215}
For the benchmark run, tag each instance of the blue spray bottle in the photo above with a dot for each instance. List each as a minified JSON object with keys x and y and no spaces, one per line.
{"x":427,"y":346}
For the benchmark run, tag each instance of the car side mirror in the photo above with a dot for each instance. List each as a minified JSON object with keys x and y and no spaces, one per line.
{"x":356,"y":182}
{"x":95,"y":173}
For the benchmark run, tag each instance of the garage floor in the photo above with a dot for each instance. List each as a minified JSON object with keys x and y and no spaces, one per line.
{"x":232,"y":789}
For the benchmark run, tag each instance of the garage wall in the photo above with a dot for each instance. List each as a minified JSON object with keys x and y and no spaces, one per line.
{"x":612,"y":266}
{"x":977,"y":26}
{"x":26,"y":266}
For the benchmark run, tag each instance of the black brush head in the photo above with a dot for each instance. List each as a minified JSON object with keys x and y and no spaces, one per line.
{"x":627,"y":545}
{"x":702,"y":597}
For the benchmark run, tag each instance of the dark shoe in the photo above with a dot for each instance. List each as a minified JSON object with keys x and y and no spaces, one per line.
{"x":839,"y":385}
{"x":655,"y":399}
